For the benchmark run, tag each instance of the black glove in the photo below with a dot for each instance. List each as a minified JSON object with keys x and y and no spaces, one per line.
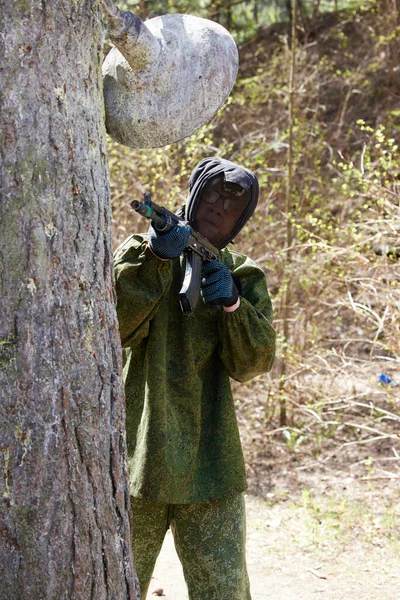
{"x":170,"y":244}
{"x":218,"y":287}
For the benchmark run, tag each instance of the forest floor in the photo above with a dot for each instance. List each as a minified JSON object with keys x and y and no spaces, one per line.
{"x":321,"y":533}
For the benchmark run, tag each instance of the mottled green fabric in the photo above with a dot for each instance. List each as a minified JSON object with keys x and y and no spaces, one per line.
{"x":182,"y":433}
{"x":210,"y":541}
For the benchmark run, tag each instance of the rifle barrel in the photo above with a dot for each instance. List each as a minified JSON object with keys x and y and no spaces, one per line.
{"x":162,"y":221}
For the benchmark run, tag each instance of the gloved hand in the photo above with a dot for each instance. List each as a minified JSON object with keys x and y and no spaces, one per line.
{"x":170,"y":244}
{"x":218,"y":287}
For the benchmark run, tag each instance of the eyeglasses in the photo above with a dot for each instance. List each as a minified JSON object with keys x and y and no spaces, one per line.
{"x":233,"y":196}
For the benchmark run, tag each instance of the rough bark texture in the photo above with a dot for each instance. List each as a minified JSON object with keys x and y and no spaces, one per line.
{"x":64,"y":527}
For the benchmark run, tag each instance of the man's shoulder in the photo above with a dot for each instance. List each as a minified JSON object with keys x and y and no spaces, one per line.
{"x":227,"y":254}
{"x":132,"y":245}
{"x":235,"y":260}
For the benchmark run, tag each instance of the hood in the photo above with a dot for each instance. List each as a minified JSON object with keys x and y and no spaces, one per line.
{"x":206,"y":170}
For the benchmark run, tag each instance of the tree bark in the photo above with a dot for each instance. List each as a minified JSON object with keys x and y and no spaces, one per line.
{"x":64,"y":521}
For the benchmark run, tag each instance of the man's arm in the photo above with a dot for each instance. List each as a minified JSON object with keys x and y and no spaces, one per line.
{"x":247,"y":338}
{"x":142,"y":281}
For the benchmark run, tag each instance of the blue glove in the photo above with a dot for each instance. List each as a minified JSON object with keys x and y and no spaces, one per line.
{"x":170,"y":244}
{"x":217,"y":285}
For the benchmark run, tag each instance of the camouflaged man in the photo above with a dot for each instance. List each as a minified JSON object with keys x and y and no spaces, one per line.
{"x":186,"y":463}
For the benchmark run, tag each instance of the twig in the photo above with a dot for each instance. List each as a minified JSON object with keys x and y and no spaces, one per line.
{"x":366,"y":440}
{"x":316,"y":574}
{"x":375,"y":460}
{"x":362,"y":158}
{"x":389,"y":414}
{"x":372,"y":430}
{"x":318,"y":463}
{"x":375,"y":477}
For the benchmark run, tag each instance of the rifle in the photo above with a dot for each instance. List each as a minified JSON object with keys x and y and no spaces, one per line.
{"x":198,"y":249}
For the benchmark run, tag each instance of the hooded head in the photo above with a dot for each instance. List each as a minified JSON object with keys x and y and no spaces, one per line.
{"x":222,"y":198}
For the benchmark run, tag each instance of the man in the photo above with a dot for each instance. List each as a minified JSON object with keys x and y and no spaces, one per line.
{"x":186,"y":463}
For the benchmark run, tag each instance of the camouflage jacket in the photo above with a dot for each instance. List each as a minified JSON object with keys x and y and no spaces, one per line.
{"x":182,"y":433}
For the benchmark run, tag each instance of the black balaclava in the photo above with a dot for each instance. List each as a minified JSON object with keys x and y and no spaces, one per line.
{"x":232,"y":173}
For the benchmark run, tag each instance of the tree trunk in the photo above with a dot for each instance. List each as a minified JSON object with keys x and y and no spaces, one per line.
{"x":64,"y":526}
{"x":143,"y":10}
{"x":255,"y":12}
{"x":290,"y":15}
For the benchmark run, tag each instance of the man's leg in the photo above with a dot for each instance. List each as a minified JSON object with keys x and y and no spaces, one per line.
{"x":210,"y":540}
{"x":150,"y":524}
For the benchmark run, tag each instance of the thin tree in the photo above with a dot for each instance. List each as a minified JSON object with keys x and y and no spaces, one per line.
{"x":64,"y":527}
{"x":290,"y":209}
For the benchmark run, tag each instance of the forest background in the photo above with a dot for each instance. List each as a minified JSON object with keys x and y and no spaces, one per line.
{"x":320,"y":126}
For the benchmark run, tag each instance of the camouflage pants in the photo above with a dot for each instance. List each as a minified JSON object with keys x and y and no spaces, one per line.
{"x":209,"y":539}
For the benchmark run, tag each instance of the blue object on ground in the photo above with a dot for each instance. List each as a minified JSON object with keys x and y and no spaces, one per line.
{"x":385,"y":379}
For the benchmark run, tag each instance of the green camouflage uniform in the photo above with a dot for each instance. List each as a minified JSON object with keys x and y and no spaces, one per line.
{"x":210,"y":540}
{"x":182,"y":433}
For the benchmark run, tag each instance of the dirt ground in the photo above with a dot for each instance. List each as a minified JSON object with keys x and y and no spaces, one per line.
{"x":331,"y":536}
{"x":319,"y":525}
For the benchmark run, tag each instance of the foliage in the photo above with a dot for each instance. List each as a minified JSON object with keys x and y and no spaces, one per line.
{"x":344,"y":271}
{"x":241,"y":17}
